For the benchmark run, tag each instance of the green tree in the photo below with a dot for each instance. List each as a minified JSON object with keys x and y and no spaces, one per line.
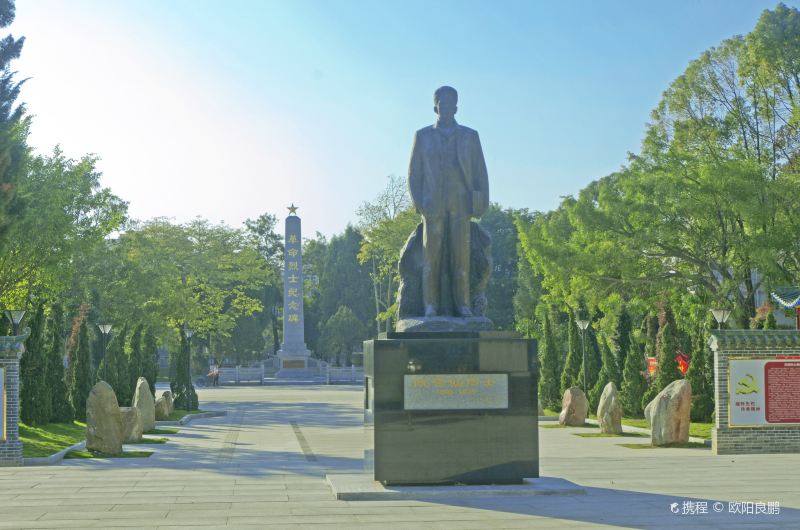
{"x":114,"y":368}
{"x":666,"y":348}
{"x":503,"y":283}
{"x":150,"y":368}
{"x":81,"y":383}
{"x":702,"y":392}
{"x":343,"y":333}
{"x":634,"y":384}
{"x":622,"y":341}
{"x":548,"y":367}
{"x":13,"y":129}
{"x":60,"y":407}
{"x":386,"y":223}
{"x":35,"y":400}
{"x":67,"y":214}
{"x":136,"y":359}
{"x":344,"y":281}
{"x":594,"y":360}
{"x":572,"y":365}
{"x":608,"y":373}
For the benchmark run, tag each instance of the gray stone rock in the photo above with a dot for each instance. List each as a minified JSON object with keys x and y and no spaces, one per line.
{"x":409,"y":302}
{"x":668,"y":413}
{"x":609,"y":411}
{"x":162,"y":409}
{"x":143,"y":400}
{"x":170,"y":399}
{"x":104,"y":432}
{"x":131,"y":424}
{"x":574,"y":408}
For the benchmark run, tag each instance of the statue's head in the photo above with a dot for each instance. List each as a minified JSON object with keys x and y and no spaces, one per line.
{"x":445,"y":102}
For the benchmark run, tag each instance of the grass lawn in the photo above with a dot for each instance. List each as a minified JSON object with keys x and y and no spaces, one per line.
{"x":559,"y":426}
{"x":690,"y":445}
{"x":180,"y":413}
{"x":607,"y":435}
{"x":146,"y":440}
{"x":50,"y":438}
{"x":124,"y":454}
{"x":698,"y":430}
{"x":163,"y":430}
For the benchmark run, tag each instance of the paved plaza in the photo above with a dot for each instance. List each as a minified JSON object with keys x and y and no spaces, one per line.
{"x":264,"y":465}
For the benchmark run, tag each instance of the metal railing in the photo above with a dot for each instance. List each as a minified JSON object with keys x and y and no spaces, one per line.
{"x":352,"y":375}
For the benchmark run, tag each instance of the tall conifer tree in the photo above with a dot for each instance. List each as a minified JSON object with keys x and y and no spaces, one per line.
{"x":81,"y":374}
{"x":60,"y":408}
{"x":548,"y":367}
{"x":572,"y":365}
{"x":34,"y":394}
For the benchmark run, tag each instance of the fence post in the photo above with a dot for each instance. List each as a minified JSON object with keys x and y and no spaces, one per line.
{"x":262,"y":375}
{"x":237,"y":374}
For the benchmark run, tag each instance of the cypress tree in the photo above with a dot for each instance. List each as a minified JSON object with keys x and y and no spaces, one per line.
{"x":13,"y":126}
{"x":594,"y":361}
{"x":34,"y":394}
{"x":622,"y":341}
{"x":60,"y":408}
{"x":136,"y":359}
{"x":666,"y":346}
{"x":116,"y":371}
{"x":548,"y":368}
{"x":702,"y":402}
{"x":569,"y":376}
{"x":81,"y":374}
{"x":770,"y":322}
{"x":633,"y":383}
{"x":608,"y":373}
{"x":150,"y":368}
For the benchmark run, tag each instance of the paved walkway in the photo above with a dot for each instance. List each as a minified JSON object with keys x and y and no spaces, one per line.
{"x":263,"y":465}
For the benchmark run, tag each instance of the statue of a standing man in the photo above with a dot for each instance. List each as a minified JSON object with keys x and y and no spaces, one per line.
{"x":449,"y":186}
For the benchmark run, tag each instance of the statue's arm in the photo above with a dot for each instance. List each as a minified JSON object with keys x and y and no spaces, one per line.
{"x":415,"y":174}
{"x":480,"y":178}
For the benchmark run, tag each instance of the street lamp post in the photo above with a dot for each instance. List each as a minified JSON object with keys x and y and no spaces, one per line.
{"x":721,"y":316}
{"x":582,"y":325}
{"x":105,"y":329}
{"x":15,"y":316}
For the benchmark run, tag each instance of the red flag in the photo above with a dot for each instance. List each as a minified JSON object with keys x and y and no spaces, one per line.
{"x":683,"y":362}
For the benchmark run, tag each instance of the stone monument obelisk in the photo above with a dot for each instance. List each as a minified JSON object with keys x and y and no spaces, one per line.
{"x":294,"y":354}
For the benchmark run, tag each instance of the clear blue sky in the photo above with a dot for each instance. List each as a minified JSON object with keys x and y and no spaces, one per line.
{"x":229,"y":109}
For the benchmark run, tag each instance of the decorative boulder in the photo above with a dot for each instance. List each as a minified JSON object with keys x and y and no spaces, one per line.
{"x":668,"y":413}
{"x":170,"y":399}
{"x":143,"y":400}
{"x":409,"y":297}
{"x":609,"y":411}
{"x":162,"y":409}
{"x":104,"y":432}
{"x":131,"y":424}
{"x":574,"y":407}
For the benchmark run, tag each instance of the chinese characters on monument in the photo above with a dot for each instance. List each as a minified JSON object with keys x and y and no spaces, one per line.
{"x":294,"y":354}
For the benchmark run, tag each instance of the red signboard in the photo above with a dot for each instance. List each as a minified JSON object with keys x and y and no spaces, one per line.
{"x":782,"y":391}
{"x":652,"y":365}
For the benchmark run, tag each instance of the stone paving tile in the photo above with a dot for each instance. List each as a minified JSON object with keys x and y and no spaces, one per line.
{"x":201,"y":480}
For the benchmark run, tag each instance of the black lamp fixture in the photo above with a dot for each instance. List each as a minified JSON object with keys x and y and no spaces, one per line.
{"x":15,"y":316}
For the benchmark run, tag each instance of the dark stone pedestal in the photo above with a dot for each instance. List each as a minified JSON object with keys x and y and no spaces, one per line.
{"x":445,"y":408}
